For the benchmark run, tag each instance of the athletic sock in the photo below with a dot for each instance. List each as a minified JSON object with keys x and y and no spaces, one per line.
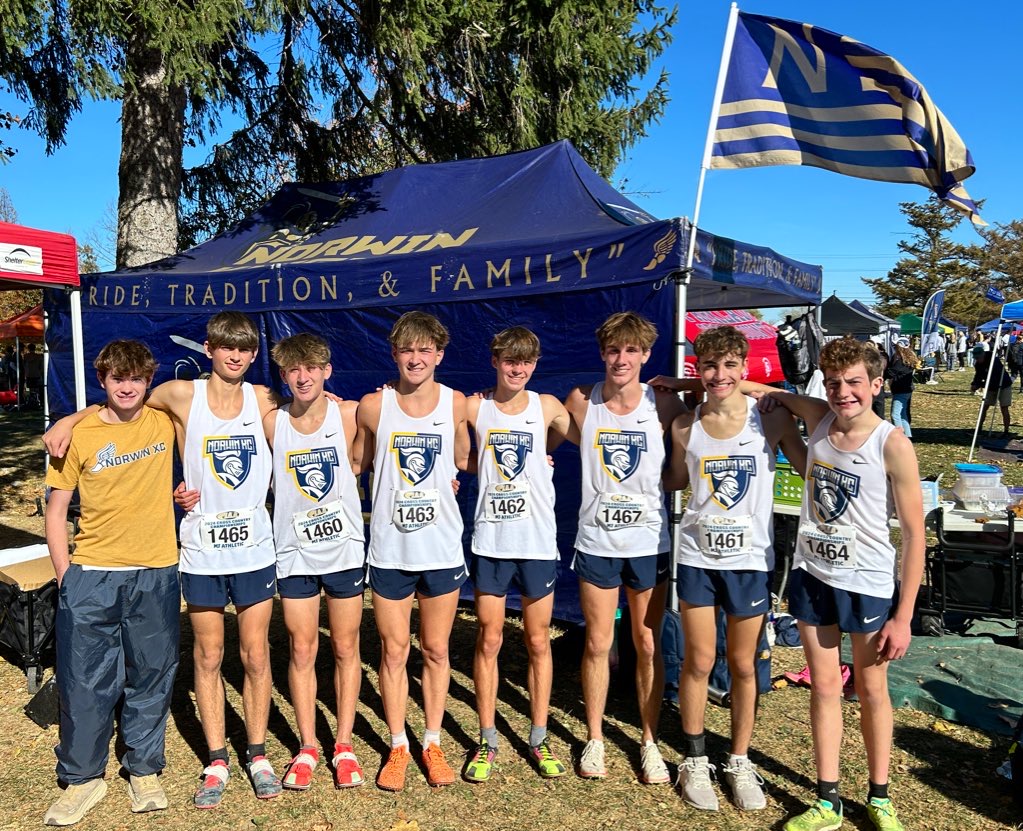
{"x":733,"y":758}
{"x":255,"y":751}
{"x":694,"y":744}
{"x":431,"y":737}
{"x":537,"y":734}
{"x":489,"y":735}
{"x":399,"y":740}
{"x":219,"y":756}
{"x":310,"y":749}
{"x":828,"y":792}
{"x":876,"y":791}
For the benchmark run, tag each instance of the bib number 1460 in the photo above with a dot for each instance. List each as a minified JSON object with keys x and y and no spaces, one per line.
{"x":324,"y":530}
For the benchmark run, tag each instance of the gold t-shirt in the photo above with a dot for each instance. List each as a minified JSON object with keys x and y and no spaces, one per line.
{"x":123,"y":473}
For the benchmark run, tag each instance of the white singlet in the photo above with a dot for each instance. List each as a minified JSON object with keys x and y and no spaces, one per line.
{"x":415,"y":525}
{"x":229,"y":463}
{"x":728,"y":521}
{"x":317,"y":513}
{"x":622,"y":512}
{"x":844,"y":539}
{"x":515,"y":509}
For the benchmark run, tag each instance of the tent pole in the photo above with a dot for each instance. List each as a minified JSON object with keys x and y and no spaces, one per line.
{"x":987,"y":383}
{"x":46,"y":373}
{"x":78,"y":349}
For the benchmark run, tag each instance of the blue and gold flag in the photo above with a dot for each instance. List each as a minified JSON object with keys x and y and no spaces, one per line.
{"x":799,"y":94}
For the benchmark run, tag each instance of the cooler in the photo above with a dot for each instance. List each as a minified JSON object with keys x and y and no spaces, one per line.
{"x":28,"y":606}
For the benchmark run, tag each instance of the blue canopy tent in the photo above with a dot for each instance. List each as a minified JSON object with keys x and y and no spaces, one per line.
{"x":535,"y":238}
{"x":990,"y":326}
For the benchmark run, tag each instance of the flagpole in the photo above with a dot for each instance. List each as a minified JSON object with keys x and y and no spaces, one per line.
{"x":680,"y":286}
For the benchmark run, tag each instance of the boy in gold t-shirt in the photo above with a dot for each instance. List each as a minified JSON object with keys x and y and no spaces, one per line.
{"x":118,"y":606}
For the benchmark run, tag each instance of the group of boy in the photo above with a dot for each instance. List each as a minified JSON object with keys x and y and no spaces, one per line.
{"x":636,"y":441}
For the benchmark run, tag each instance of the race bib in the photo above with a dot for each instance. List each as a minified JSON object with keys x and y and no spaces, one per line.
{"x":619,"y":510}
{"x":725,"y":536}
{"x":228,"y":529}
{"x":320,"y":525}
{"x":506,"y":501}
{"x":830,"y":545}
{"x":415,"y":509}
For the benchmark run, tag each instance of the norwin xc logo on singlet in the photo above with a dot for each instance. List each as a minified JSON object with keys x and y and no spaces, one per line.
{"x":620,"y":452}
{"x":832,"y":489}
{"x":230,"y":458}
{"x":313,"y":471}
{"x":510,"y":449}
{"x":415,"y":454}
{"x":729,"y":477}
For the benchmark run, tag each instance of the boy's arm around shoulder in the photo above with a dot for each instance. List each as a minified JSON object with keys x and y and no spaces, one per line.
{"x":57,"y":439}
{"x":462,"y":443}
{"x":367,"y":420}
{"x":558,"y":420}
{"x":349,"y":423}
{"x":669,"y":406}
{"x":782,"y":432}
{"x":675,"y":476}
{"x":806,"y":407}
{"x":904,"y":474}
{"x":576,"y":403}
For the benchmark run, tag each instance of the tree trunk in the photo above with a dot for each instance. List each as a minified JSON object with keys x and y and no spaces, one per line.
{"x":152,"y":132}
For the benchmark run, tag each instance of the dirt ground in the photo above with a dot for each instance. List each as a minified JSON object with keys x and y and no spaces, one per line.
{"x":942,"y":774}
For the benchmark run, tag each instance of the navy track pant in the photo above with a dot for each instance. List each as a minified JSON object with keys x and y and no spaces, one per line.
{"x":117,"y":634}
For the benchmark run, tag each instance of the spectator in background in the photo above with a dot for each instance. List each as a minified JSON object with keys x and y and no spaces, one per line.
{"x":1014,"y":358}
{"x":34,"y":372}
{"x":961,"y":349}
{"x":999,"y":389}
{"x":878,"y":405}
{"x":950,"y":352}
{"x":980,"y":346}
{"x":9,"y":369}
{"x":899,"y":374}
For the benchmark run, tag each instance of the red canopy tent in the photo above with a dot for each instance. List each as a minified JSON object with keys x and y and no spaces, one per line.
{"x":763,"y":363}
{"x":27,"y":325}
{"x":33,"y":258}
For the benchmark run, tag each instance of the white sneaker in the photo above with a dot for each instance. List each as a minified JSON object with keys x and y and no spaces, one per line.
{"x":75,"y":803}
{"x":745,"y":783}
{"x":694,"y":782}
{"x":146,"y":794}
{"x":655,"y":772}
{"x":591,"y":762}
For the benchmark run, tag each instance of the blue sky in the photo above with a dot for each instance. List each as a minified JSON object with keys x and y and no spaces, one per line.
{"x":970,"y":65}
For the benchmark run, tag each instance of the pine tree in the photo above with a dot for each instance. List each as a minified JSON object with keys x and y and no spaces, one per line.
{"x":933,"y":261}
{"x":356,"y":86}
{"x":1001,"y":257}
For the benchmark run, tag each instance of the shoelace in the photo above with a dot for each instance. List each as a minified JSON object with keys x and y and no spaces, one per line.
{"x":699,"y":774}
{"x":544,"y":752}
{"x":591,"y":753}
{"x":745,"y":775}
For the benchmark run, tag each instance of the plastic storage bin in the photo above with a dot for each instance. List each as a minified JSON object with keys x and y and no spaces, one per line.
{"x":979,"y":476}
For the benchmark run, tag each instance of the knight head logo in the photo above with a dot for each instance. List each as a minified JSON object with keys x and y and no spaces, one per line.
{"x":313,"y":471}
{"x":729,"y":478}
{"x":620,"y":452}
{"x":831,"y":491}
{"x":510,"y":449}
{"x":415,"y":455}
{"x":230,"y":458}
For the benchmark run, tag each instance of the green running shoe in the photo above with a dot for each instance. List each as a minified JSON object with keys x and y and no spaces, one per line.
{"x":481,"y":764}
{"x":882,"y":814}
{"x":549,"y":765}
{"x":821,"y":817}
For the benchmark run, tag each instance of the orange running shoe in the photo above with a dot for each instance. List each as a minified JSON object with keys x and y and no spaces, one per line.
{"x":438,"y":771}
{"x":392,"y":774}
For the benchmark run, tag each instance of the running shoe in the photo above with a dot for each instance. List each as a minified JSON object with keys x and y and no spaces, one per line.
{"x":298,"y":775}
{"x":392,"y":774}
{"x":820,"y":817}
{"x":146,"y":793}
{"x":655,"y":772}
{"x":265,"y":782}
{"x":75,"y":802}
{"x":438,"y":771}
{"x":214,"y":781}
{"x":591,"y":761}
{"x":694,"y":781}
{"x":882,"y":814}
{"x":481,"y":763}
{"x":549,"y":765}
{"x":745,"y":784}
{"x":347,"y":770}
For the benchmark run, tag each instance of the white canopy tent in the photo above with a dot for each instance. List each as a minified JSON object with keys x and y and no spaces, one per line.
{"x":1011,"y":313}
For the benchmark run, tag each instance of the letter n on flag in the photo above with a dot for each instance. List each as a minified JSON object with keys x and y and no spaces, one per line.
{"x":798,"y":94}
